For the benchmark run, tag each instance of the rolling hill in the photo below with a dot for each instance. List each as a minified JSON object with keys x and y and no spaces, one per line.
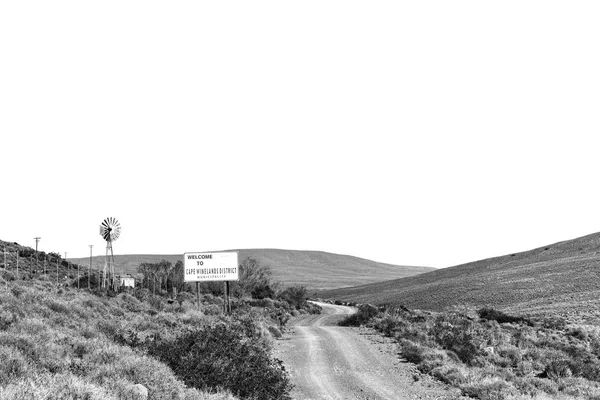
{"x":314,"y":269}
{"x":558,"y":279}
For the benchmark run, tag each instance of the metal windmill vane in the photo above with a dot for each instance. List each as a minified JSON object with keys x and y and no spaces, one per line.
{"x":110,"y":229}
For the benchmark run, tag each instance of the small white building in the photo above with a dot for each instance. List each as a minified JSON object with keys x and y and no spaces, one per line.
{"x":126,"y":280}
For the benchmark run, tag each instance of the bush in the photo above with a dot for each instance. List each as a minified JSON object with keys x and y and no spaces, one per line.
{"x":496,"y":315}
{"x":262,"y":292}
{"x":225,"y":356}
{"x":295,"y":296}
{"x":557,"y":323}
{"x":489,"y":389}
{"x":364,"y":314}
{"x":254,"y":279}
{"x":450,"y":374}
{"x":412,"y":352}
{"x":26,"y":252}
{"x":459,"y":334}
{"x":156,"y":302}
{"x":13,"y":366}
{"x":313,"y":308}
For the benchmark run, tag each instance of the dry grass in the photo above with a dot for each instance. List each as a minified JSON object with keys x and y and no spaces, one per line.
{"x":491,"y":360}
{"x":313,"y":269}
{"x":560,"y":279}
{"x":60,"y":346}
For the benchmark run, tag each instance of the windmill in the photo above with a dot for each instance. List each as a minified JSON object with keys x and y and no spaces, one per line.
{"x":110,"y":229}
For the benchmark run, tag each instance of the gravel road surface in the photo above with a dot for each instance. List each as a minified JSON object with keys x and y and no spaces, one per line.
{"x":327,"y":361}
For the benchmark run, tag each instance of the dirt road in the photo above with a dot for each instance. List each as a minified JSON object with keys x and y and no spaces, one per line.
{"x":327,"y":361}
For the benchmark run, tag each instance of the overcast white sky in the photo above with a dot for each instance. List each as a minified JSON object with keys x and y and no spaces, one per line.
{"x":423,"y":132}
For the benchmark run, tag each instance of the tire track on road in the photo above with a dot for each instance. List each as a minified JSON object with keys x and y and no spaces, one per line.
{"x":329,"y":362}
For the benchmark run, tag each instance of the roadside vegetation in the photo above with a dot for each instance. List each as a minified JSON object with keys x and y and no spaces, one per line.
{"x":492,"y":355}
{"x":61,"y":342}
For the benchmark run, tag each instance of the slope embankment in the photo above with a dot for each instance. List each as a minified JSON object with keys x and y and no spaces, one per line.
{"x":562,"y":278}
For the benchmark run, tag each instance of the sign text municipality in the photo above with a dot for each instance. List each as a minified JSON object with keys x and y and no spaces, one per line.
{"x":199,"y":267}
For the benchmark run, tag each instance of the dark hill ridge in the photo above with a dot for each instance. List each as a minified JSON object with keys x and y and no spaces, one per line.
{"x":562,"y":278}
{"x":45,"y":266}
{"x":314,"y":269}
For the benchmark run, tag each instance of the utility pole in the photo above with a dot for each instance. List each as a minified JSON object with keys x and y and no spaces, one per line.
{"x":90,"y":268}
{"x":67,"y":262}
{"x":37,"y":262}
{"x":77,"y":276}
{"x":5,"y":266}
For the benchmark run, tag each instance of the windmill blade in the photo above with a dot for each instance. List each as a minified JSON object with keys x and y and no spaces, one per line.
{"x":116,"y":231}
{"x":110,"y":229}
{"x":114,"y":234}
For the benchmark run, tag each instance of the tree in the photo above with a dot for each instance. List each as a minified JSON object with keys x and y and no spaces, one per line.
{"x":253,"y":278}
{"x":177,"y":276}
{"x":295,"y":295}
{"x":158,"y":271}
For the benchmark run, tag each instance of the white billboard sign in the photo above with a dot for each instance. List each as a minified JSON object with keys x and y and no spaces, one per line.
{"x":200,"y":267}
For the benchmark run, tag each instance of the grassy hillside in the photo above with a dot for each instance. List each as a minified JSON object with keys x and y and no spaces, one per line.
{"x":489,"y":354}
{"x":562,"y":278}
{"x":62,"y":345}
{"x":23,"y":263}
{"x":58,"y":341}
{"x":314,"y":269}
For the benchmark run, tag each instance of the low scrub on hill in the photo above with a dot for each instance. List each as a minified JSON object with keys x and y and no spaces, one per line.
{"x":53,"y":345}
{"x":491,"y":355}
{"x":64,"y":343}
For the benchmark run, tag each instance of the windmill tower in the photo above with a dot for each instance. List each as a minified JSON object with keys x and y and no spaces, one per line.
{"x":110,"y":229}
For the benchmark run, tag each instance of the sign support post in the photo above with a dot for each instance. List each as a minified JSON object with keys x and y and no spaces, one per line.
{"x":227,"y":302}
{"x":198,"y":295}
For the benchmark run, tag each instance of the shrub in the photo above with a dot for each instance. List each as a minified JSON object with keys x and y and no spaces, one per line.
{"x":389,"y":324}
{"x":13,"y":366}
{"x":558,"y":369}
{"x":412,"y":352}
{"x":254,"y":279}
{"x":156,"y":302}
{"x":130,"y":303}
{"x":365,"y":313}
{"x":54,"y":386}
{"x":313,"y":308}
{"x":532,"y":386}
{"x":224,"y":356}
{"x":295,"y":296}
{"x":557,"y":323}
{"x":459,"y":334}
{"x":489,"y":389}
{"x":431,"y":359}
{"x":262,"y":292}
{"x":185,"y":296}
{"x":276,"y":333}
{"x":26,"y":252}
{"x":17,"y":291}
{"x":496,"y":315}
{"x":59,"y":307}
{"x":452,"y":375}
